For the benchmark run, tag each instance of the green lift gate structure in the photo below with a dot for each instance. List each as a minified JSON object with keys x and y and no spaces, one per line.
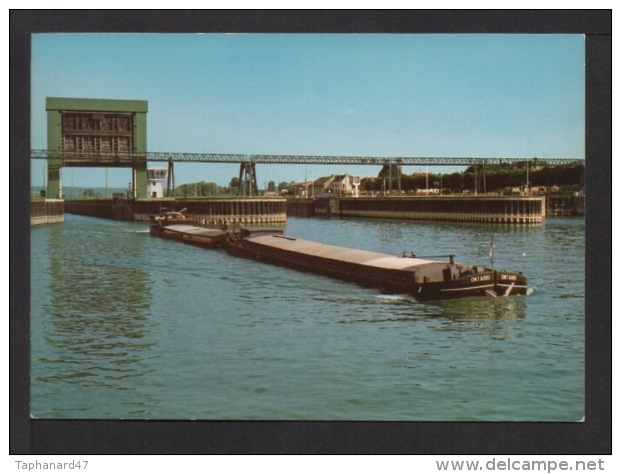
{"x":95,"y":127}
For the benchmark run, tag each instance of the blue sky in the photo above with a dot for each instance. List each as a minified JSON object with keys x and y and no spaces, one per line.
{"x":457,"y":95}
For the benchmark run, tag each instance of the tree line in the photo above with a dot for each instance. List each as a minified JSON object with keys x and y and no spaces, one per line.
{"x":489,"y":178}
{"x":210,"y":189}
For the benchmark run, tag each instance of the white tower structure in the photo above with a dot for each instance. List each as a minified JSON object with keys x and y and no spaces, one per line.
{"x":155,"y":182}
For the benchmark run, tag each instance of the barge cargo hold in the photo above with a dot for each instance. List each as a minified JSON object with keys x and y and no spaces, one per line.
{"x":422,"y":278}
{"x":177,"y":226}
{"x":208,"y":238}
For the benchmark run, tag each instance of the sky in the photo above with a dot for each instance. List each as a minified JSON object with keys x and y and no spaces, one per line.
{"x":455,"y":95}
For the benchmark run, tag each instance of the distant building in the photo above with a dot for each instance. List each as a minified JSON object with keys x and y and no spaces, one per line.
{"x":322,"y":185}
{"x":340,"y":185}
{"x":303,"y":188}
{"x":155,"y":182}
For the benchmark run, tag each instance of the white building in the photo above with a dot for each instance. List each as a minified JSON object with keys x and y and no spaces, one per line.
{"x":155,"y":182}
{"x":339,"y":185}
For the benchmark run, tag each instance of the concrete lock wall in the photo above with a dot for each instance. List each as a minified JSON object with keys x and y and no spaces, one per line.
{"x":48,"y":211}
{"x":207,"y":212}
{"x":523,"y":210}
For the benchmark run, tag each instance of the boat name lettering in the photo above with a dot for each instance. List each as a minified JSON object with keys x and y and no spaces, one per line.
{"x":508,"y":277}
{"x":480,"y":278}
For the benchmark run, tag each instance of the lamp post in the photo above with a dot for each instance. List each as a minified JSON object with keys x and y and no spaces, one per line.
{"x":527,"y":186}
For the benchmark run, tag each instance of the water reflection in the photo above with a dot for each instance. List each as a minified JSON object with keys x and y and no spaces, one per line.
{"x":505,"y":309}
{"x":96,"y":315}
{"x":406,"y":308}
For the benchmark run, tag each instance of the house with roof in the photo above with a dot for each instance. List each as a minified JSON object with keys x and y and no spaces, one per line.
{"x":336,"y":185}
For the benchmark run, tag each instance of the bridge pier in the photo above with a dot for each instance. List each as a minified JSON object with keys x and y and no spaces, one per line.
{"x":247,"y":179}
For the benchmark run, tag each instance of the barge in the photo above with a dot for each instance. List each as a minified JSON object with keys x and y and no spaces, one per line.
{"x":423,"y":278}
{"x":178,"y":226}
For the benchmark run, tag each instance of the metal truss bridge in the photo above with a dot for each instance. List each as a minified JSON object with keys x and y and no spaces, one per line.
{"x":78,"y":159}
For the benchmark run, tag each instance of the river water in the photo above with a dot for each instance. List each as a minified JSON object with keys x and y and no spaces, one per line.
{"x":128,"y":326}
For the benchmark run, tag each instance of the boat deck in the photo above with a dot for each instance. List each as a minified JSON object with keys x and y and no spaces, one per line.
{"x":341,"y":254}
{"x":194,"y":230}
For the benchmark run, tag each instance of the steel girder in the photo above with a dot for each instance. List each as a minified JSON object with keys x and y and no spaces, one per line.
{"x":128,"y":159}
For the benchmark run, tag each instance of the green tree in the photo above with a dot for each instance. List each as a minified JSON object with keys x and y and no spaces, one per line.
{"x":211,"y":189}
{"x":234,"y":185}
{"x":283,"y":187}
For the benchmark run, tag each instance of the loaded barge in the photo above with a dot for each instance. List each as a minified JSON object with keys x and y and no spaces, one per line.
{"x":178,"y":226}
{"x":422,"y":277}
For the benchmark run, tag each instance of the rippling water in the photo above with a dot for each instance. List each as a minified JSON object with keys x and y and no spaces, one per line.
{"x":125,"y":325}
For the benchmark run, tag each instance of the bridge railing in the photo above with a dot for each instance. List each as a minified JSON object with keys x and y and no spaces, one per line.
{"x":68,"y":158}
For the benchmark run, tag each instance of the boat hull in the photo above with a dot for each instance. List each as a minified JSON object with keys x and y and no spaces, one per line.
{"x":392,"y":275}
{"x":491,"y":283}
